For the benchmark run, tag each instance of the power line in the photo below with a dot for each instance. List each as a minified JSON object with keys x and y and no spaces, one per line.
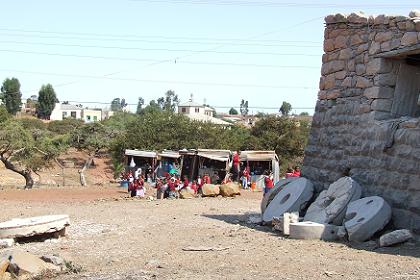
{"x":159,"y":81}
{"x":154,"y":49}
{"x":274,"y":4}
{"x":181,"y":62}
{"x":280,"y":43}
{"x":120,"y":36}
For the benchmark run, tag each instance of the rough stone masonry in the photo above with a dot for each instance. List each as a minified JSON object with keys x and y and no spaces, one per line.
{"x":367,"y":117}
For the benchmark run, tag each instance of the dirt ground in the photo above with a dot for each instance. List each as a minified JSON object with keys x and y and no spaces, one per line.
{"x":111,"y":237}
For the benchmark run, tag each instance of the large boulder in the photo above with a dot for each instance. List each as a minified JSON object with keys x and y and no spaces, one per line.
{"x":274,"y":191}
{"x":330,"y":206}
{"x":186,"y":194}
{"x":294,"y":197}
{"x":33,"y":226}
{"x":365,"y":217}
{"x":24,"y":263}
{"x":230,"y":189}
{"x":395,"y":237}
{"x":210,"y":190}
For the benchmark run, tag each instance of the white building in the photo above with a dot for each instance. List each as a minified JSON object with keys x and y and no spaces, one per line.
{"x":64,"y":111}
{"x":199,"y":112}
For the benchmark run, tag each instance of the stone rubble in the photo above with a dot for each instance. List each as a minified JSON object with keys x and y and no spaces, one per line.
{"x":330,"y":206}
{"x":395,"y":237}
{"x":6,"y":243}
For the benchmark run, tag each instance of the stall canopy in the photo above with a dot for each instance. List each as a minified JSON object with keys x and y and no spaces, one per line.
{"x":258,"y":156}
{"x":138,"y":153}
{"x":219,"y":155}
{"x":169,"y":154}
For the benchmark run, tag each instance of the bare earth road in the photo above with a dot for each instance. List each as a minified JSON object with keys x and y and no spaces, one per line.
{"x":138,"y":239}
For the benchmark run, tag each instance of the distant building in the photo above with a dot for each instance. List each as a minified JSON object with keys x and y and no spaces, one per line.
{"x":91,"y":115}
{"x":65,"y":111}
{"x":198,"y":112}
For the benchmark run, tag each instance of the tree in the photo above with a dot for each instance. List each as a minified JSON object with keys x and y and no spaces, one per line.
{"x":11,"y":95}
{"x":304,"y":114}
{"x":46,"y":102}
{"x":233,"y":111}
{"x":169,"y":102}
{"x":118,"y":104}
{"x":92,"y":138}
{"x":243,"y":108}
{"x":25,"y":151}
{"x":285,"y":108}
{"x":140,"y":104}
{"x":4,"y":115}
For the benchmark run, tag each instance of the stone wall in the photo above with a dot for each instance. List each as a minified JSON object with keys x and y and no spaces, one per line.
{"x":360,"y":127}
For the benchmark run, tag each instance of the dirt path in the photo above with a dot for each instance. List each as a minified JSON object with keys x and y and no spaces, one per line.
{"x":140,"y":239}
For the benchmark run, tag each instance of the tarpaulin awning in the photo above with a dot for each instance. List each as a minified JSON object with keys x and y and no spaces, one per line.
{"x":138,"y":153}
{"x":169,"y":154}
{"x":219,"y":155}
{"x":258,"y":156}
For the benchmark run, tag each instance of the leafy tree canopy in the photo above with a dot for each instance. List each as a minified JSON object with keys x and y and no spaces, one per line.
{"x":46,"y":101}
{"x":11,"y":95}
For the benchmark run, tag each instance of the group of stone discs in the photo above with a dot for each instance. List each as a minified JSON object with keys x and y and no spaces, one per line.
{"x":338,"y":212}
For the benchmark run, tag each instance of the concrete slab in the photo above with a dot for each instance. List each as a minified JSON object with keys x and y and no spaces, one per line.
{"x":330,"y":206}
{"x":289,"y":218}
{"x":27,"y":227}
{"x":294,"y":197}
{"x":25,"y":263}
{"x":274,"y":191}
{"x":311,"y":230}
{"x":365,"y":217}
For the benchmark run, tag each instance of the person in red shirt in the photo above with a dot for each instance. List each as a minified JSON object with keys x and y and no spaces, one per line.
{"x":296,"y":172}
{"x":185,"y":182}
{"x":227,"y":179}
{"x":194,"y":186}
{"x":268,"y":182}
{"x":206,"y":179}
{"x":236,"y":166}
{"x":289,"y":173}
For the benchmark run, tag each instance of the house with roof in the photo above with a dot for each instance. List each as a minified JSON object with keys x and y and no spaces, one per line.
{"x":199,"y":112}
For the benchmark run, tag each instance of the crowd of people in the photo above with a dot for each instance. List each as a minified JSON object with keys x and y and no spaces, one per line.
{"x":171,"y":184}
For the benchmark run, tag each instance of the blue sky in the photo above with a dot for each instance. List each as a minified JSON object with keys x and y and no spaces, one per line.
{"x":221,"y":51}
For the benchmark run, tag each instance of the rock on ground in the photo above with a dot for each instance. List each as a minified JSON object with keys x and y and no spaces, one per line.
{"x":25,"y":263}
{"x":395,"y":237}
{"x":210,"y":190}
{"x":230,"y":189}
{"x":186,"y":194}
{"x":331,"y":204}
{"x":365,"y":217}
{"x":294,"y":197}
{"x":274,"y":191}
{"x":6,"y":243}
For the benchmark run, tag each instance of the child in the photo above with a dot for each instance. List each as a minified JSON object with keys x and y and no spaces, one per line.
{"x":289,"y":173}
{"x":296,"y":172}
{"x":206,"y":179}
{"x":141,"y":189}
{"x":194,"y":186}
{"x":132,"y":188}
{"x":227,"y":179}
{"x":245,"y":177}
{"x":268,"y":182}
